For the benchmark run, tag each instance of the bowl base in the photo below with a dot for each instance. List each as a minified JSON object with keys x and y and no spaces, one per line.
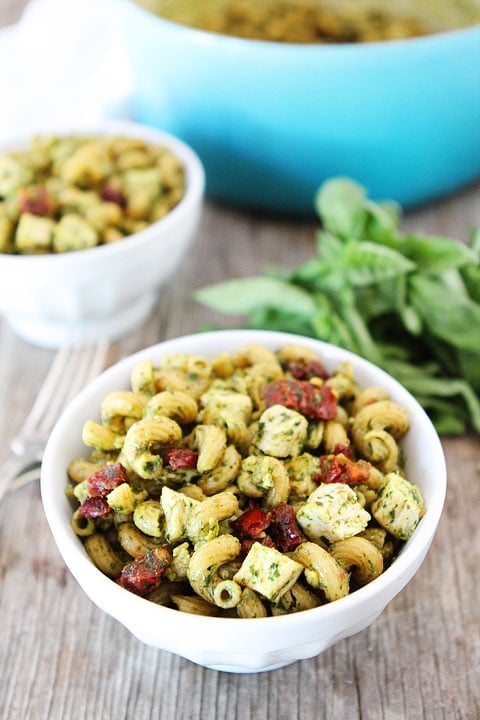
{"x":247,"y":670}
{"x":54,"y":334}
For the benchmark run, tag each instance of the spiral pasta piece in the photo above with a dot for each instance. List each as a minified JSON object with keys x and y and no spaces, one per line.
{"x":120,"y":406}
{"x":144,"y":441}
{"x":224,"y":474}
{"x":322,"y":571}
{"x":175,"y":404}
{"x":211,"y":442}
{"x":204,"y":564}
{"x":375,"y":431}
{"x":132,"y":540}
{"x":203,"y":521}
{"x":360,"y":557}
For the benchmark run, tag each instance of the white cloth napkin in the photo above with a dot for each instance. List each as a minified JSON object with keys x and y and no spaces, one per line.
{"x":62,"y":64}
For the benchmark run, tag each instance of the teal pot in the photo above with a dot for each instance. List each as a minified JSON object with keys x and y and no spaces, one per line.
{"x":271,"y":121}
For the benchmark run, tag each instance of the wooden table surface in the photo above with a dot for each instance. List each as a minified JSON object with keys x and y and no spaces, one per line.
{"x":61,"y":658}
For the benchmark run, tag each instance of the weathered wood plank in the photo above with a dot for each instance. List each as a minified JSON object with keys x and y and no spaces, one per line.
{"x":60,"y":657}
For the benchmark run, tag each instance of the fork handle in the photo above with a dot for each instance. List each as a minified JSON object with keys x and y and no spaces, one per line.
{"x":14,"y":475}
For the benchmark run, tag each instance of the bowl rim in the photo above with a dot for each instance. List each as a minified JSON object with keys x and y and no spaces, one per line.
{"x":121,"y":604}
{"x":194,"y":190}
{"x":211,"y":38}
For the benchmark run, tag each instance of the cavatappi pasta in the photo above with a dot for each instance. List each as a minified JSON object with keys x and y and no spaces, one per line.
{"x":319,"y":21}
{"x":252,"y":484}
{"x":76,"y":192}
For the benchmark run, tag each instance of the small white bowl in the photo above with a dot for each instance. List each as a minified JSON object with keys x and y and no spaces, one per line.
{"x":109,"y":290}
{"x":228,"y":644}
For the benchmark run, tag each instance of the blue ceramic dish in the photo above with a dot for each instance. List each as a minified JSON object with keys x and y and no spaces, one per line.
{"x":272,"y":121}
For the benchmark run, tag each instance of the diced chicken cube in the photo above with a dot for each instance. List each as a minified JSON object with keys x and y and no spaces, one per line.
{"x":268,"y":571}
{"x":74,"y":233}
{"x":332,"y":512}
{"x":34,"y":234}
{"x":177,"y":508}
{"x":281,"y":432}
{"x":123,"y":499}
{"x":399,"y":506}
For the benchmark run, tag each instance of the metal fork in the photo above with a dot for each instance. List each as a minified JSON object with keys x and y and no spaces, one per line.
{"x":71,"y":370}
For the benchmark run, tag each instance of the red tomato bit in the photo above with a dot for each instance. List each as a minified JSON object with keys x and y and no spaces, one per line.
{"x":251,"y":523}
{"x":94,"y":507}
{"x":143,"y":574}
{"x":340,"y":469}
{"x":284,"y":529}
{"x":306,"y":369}
{"x":317,"y":403}
{"x":247,"y":543}
{"x":179,"y":458}
{"x":109,"y":477}
{"x":111,"y":193}
{"x":36,"y":200}
{"x":343,"y":450}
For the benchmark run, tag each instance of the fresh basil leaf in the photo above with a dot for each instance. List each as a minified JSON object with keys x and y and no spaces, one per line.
{"x":338,"y":203}
{"x":469,"y":364}
{"x":448,"y":419}
{"x":360,"y":264}
{"x":380,"y":299}
{"x":245,"y":295}
{"x":365,"y":345}
{"x":381,"y":224}
{"x":447,"y":388}
{"x":453,"y":318}
{"x":314,"y":274}
{"x":408,"y":371}
{"x":274,"y":319}
{"x":365,"y":263}
{"x":411,"y":319}
{"x":453,"y":281}
{"x":433,"y":254}
{"x":474,"y":243}
{"x":329,"y":247}
{"x":471,"y":279}
{"x":329,"y":326}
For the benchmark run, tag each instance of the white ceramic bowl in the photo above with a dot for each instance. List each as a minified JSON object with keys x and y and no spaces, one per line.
{"x":108,"y":290}
{"x":229,"y":644}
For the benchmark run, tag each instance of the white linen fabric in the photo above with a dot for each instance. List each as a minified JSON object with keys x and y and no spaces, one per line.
{"x":63,"y":63}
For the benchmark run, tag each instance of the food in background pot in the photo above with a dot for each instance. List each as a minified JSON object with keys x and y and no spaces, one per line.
{"x":322,"y":21}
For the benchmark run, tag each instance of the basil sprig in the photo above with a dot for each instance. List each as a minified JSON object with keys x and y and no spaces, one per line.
{"x":409,"y":303}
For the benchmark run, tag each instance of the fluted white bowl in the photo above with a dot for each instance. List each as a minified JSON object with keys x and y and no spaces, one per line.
{"x":109,"y":290}
{"x":230,"y":644}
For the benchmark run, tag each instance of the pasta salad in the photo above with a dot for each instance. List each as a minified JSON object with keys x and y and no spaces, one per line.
{"x":253,"y":484}
{"x":75,"y":192}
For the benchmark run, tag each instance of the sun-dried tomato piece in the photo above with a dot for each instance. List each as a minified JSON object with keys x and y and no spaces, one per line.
{"x":306,"y":369}
{"x":251,"y":523}
{"x":143,"y":574}
{"x":111,"y":193}
{"x":339,"y":468}
{"x":179,"y":458}
{"x":284,"y":529}
{"x":36,"y":200}
{"x":102,"y":481}
{"x":341,"y":449}
{"x":94,"y":507}
{"x":247,"y":543}
{"x":318,"y":403}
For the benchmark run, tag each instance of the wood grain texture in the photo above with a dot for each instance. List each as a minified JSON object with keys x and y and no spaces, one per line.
{"x":62,"y":659}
